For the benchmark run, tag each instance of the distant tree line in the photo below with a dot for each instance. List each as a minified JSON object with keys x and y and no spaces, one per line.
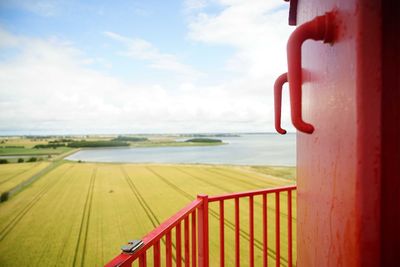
{"x":50,"y":145}
{"x":97,"y":144}
{"x":203,"y":140}
{"x":21,"y":160}
{"x":62,"y":140}
{"x":130,"y":139}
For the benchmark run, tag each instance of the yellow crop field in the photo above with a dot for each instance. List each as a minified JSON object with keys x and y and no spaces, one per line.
{"x":79,"y":214}
{"x":13,"y":174}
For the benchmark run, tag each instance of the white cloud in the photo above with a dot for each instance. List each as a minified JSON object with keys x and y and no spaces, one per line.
{"x":50,"y":86}
{"x":258,"y":31}
{"x":50,"y":83}
{"x":137,"y":48}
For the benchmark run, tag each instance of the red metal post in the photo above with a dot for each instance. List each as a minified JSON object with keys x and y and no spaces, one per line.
{"x":194,"y":240}
{"x":277,"y":230}
{"x":143,"y":260}
{"x":178,"y":241}
{"x":237,"y":233}
{"x":265,"y":230}
{"x":187,"y":245}
{"x":202,"y":229}
{"x":156,"y":254}
{"x":290,"y":253}
{"x":221,"y":233}
{"x":251,"y":231}
{"x":168,"y":250}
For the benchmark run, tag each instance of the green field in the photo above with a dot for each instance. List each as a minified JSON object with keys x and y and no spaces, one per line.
{"x":79,"y":214}
{"x":13,"y":174}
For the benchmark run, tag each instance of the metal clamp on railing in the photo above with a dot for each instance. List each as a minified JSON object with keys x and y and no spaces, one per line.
{"x":132,"y":246}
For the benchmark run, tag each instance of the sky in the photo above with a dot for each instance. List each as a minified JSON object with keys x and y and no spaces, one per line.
{"x":146,"y":66}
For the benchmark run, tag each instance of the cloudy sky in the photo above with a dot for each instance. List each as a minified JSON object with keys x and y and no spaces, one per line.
{"x":145,"y":66}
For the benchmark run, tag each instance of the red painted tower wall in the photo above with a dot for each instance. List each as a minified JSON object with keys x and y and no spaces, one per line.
{"x":348,"y":168}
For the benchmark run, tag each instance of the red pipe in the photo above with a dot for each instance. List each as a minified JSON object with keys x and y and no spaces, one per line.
{"x":265,"y":231}
{"x":318,"y":29}
{"x":290,"y":245}
{"x":156,"y":254}
{"x":178,"y":242}
{"x":168,"y":250}
{"x":237,"y":234}
{"x":221,"y":233}
{"x":282,"y":79}
{"x":251,"y":231}
{"x":187,"y":246}
{"x":194,"y":242}
{"x":277,"y":231}
{"x":143,"y":260}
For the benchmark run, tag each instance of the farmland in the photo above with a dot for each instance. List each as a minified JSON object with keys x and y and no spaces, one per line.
{"x":79,"y":214}
{"x":13,"y":174}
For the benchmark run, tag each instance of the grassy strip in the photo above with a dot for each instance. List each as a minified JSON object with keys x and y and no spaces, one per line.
{"x":18,"y":217}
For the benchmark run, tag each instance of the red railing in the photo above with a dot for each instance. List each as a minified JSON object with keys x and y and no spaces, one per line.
{"x":195,"y":220}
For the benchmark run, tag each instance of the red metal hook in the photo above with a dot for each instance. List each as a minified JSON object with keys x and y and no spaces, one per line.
{"x":319,"y":29}
{"x":280,"y":81}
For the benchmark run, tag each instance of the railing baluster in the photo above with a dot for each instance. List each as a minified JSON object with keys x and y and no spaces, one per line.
{"x":178,"y":241}
{"x":277,"y":230}
{"x":221,"y":233}
{"x":251,"y":230}
{"x":194,"y":242}
{"x":237,"y":233}
{"x":265,"y":230}
{"x":187,"y":245}
{"x":156,"y":254}
{"x":290,"y":253}
{"x":202,"y":228}
{"x":168,"y":249}
{"x":142,"y":260}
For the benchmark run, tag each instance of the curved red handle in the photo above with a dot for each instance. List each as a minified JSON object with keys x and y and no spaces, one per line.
{"x":280,"y":81}
{"x":320,"y":28}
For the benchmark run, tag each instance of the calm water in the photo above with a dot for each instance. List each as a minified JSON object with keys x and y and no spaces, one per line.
{"x":252,"y":149}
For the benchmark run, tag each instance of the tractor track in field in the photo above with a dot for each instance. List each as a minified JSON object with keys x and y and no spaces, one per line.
{"x":226,"y":190}
{"x":18,"y":174}
{"x":245,"y":174}
{"x":149,"y":212}
{"x":85,"y":221}
{"x":242,"y":181}
{"x":257,"y":243}
{"x":6,"y":230}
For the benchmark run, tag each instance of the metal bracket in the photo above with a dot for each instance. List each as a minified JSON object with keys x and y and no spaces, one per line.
{"x":132,"y":246}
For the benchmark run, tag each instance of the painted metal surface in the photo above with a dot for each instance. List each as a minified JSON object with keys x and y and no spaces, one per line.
{"x":338,"y":166}
{"x":200,"y":246}
{"x":390,"y":185}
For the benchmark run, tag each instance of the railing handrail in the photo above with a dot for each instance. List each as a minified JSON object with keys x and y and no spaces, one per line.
{"x":155,"y":235}
{"x":251,"y":193}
